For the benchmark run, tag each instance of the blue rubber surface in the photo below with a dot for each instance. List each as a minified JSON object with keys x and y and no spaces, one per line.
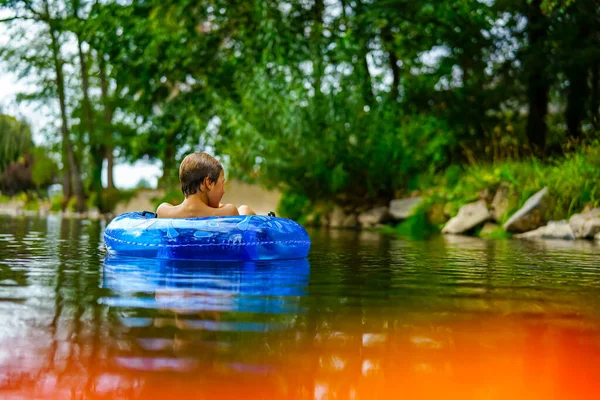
{"x":238,"y":238}
{"x":274,"y":287}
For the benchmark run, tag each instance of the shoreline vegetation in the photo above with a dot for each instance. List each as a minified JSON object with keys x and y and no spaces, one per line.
{"x":559,"y":199}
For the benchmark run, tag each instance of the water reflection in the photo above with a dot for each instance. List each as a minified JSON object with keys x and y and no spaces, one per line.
{"x":180,"y":315}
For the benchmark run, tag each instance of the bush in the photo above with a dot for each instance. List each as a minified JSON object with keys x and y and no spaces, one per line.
{"x":294,"y":206}
{"x":44,"y":169}
{"x":16,"y":177}
{"x":56,"y":203}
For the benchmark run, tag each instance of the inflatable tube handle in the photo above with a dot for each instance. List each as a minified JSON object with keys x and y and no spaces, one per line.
{"x":271,"y":214}
{"x":144,"y":213}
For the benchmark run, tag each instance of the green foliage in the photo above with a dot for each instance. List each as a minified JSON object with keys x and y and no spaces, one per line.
{"x":56,"y":203}
{"x":71,"y":205}
{"x":91,"y":201}
{"x":294,"y":206}
{"x":418,"y":226}
{"x":143,"y":183}
{"x":340,"y":103}
{"x":31,"y":202}
{"x":33,"y":205}
{"x":111,"y":198}
{"x":44,"y":170}
{"x":498,"y":233}
{"x":126,"y":195}
{"x":573,"y":182}
{"x":15,"y":140}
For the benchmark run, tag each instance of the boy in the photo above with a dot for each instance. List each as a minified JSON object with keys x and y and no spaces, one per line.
{"x":202,"y":183}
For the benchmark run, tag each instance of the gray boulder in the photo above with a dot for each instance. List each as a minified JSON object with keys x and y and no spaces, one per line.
{"x":401,"y":209}
{"x":586,"y":225}
{"x":469,"y":216}
{"x":373,"y":217}
{"x":336,"y":218}
{"x":531,"y":215}
{"x":351,"y":221}
{"x":554,"y":230}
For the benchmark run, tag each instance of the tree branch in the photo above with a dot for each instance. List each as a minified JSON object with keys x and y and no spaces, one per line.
{"x":12,"y":18}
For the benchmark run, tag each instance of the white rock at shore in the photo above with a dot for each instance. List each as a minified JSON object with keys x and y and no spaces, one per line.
{"x":531,"y":215}
{"x":586,"y":225}
{"x":373,"y":217}
{"x":469,"y":216}
{"x":554,"y":230}
{"x":401,"y":209}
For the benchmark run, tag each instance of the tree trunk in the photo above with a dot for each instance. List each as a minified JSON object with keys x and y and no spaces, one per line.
{"x":388,"y":42}
{"x":595,"y":93}
{"x":67,"y":179}
{"x":96,"y":145}
{"x":169,"y":164}
{"x":577,"y":94}
{"x":538,"y":84}
{"x":577,"y":73}
{"x":362,"y":36}
{"x":317,"y":38}
{"x":108,"y":116}
{"x":71,"y":163}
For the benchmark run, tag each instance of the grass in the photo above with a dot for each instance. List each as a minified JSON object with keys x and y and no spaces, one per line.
{"x":573,"y":183}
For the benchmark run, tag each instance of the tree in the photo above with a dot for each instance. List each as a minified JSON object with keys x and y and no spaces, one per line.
{"x":47,"y":16}
{"x":15,"y":139}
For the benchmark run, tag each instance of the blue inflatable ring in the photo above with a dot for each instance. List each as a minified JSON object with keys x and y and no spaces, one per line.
{"x":238,"y":238}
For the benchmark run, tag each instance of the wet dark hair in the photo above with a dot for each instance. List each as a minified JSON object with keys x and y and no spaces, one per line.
{"x":195,"y":168}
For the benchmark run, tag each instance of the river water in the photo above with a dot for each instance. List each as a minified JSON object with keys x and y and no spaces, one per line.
{"x":366,"y":316}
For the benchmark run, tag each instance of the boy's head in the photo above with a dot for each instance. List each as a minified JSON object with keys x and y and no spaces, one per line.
{"x":197,"y":169}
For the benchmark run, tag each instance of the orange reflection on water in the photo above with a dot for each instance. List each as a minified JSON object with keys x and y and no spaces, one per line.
{"x":501,"y":358}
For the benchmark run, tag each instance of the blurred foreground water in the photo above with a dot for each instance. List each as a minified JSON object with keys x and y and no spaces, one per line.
{"x":364,"y":317}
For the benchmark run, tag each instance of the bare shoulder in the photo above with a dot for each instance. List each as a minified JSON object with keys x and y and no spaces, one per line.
{"x":165,"y":210}
{"x":224,"y":211}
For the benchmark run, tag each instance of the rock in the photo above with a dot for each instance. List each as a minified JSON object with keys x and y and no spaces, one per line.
{"x":500,"y":202}
{"x":336,"y":218}
{"x":531,"y":215}
{"x":403,"y":208}
{"x":554,"y":230}
{"x":93,"y":213}
{"x":586,"y":225}
{"x":375,"y":216}
{"x":597,"y":237}
{"x":489,"y":228}
{"x":351,"y":221}
{"x":486,"y":195}
{"x":469,"y":216}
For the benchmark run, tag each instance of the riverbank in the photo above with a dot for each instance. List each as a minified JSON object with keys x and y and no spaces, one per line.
{"x":557,"y":199}
{"x":260,"y":199}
